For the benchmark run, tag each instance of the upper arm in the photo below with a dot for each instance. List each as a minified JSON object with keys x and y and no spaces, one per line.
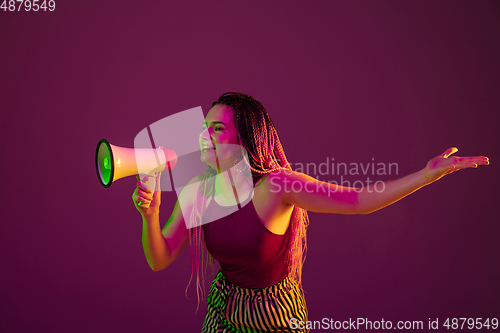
{"x":306,"y":192}
{"x":175,"y":231}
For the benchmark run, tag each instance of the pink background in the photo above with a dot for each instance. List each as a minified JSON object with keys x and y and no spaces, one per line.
{"x":397,"y":81}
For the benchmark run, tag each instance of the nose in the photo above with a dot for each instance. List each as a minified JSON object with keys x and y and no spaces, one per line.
{"x":205,"y":135}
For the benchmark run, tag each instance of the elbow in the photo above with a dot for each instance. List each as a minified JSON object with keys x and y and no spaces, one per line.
{"x":157,"y":268}
{"x":358,"y":205}
{"x":363,"y":207}
{"x":358,"y":209}
{"x":369,"y":211}
{"x":365,"y":211}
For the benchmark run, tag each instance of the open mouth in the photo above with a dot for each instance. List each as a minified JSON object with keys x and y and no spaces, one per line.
{"x":207,"y":148}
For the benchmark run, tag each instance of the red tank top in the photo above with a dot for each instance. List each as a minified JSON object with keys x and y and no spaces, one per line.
{"x":249,"y":254}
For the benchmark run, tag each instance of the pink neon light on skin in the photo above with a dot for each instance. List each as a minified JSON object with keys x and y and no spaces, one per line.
{"x":271,"y":203}
{"x":221,"y":134}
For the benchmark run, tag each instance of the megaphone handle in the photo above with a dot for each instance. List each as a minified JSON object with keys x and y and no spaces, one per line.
{"x":149,"y":180}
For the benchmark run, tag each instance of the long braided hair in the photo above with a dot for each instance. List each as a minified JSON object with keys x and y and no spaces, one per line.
{"x":257,"y":134}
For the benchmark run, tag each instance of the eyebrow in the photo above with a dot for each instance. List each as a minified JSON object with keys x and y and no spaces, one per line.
{"x":215,"y":122}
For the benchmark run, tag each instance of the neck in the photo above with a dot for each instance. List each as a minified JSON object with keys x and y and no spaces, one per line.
{"x":230,"y":181}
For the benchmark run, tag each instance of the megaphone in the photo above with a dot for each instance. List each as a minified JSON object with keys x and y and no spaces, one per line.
{"x":113,"y":163}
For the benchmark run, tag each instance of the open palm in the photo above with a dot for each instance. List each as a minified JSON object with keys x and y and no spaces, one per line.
{"x":445,"y":164}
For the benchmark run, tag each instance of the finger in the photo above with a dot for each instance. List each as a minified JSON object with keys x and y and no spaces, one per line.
{"x":158,"y":181}
{"x":144,"y":193}
{"x":449,"y":151}
{"x":475,"y":159}
{"x":450,"y":169}
{"x":143,"y":187}
{"x":465,"y":165}
{"x":144,"y":200}
{"x":142,"y":197}
{"x":143,"y":204}
{"x":468,"y":158}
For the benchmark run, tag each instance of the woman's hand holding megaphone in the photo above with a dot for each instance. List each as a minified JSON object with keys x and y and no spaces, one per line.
{"x":147,"y":201}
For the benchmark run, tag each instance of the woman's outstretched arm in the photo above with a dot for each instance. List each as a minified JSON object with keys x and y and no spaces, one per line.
{"x":308,"y":193}
{"x":436,"y":168}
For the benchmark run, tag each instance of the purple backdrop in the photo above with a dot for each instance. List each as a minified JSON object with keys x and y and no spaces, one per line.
{"x":399,"y":82}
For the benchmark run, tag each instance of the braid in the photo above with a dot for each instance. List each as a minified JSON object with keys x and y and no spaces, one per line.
{"x":258,"y":135}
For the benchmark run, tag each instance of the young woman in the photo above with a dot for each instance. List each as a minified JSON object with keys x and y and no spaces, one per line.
{"x":245,"y":211}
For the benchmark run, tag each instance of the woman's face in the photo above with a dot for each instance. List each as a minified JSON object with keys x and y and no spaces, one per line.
{"x":219,"y":140}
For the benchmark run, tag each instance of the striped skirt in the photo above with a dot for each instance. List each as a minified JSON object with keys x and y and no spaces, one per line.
{"x":236,"y":309}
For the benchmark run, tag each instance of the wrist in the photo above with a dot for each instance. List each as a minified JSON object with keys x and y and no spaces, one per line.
{"x":423,"y":177}
{"x":151,"y":217}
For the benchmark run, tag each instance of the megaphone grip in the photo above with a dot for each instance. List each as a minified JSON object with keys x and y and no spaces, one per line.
{"x":150,"y":181}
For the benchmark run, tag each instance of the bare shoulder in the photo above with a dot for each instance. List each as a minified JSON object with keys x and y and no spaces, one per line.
{"x":280,"y":180}
{"x":273,"y":186}
{"x":270,"y":205}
